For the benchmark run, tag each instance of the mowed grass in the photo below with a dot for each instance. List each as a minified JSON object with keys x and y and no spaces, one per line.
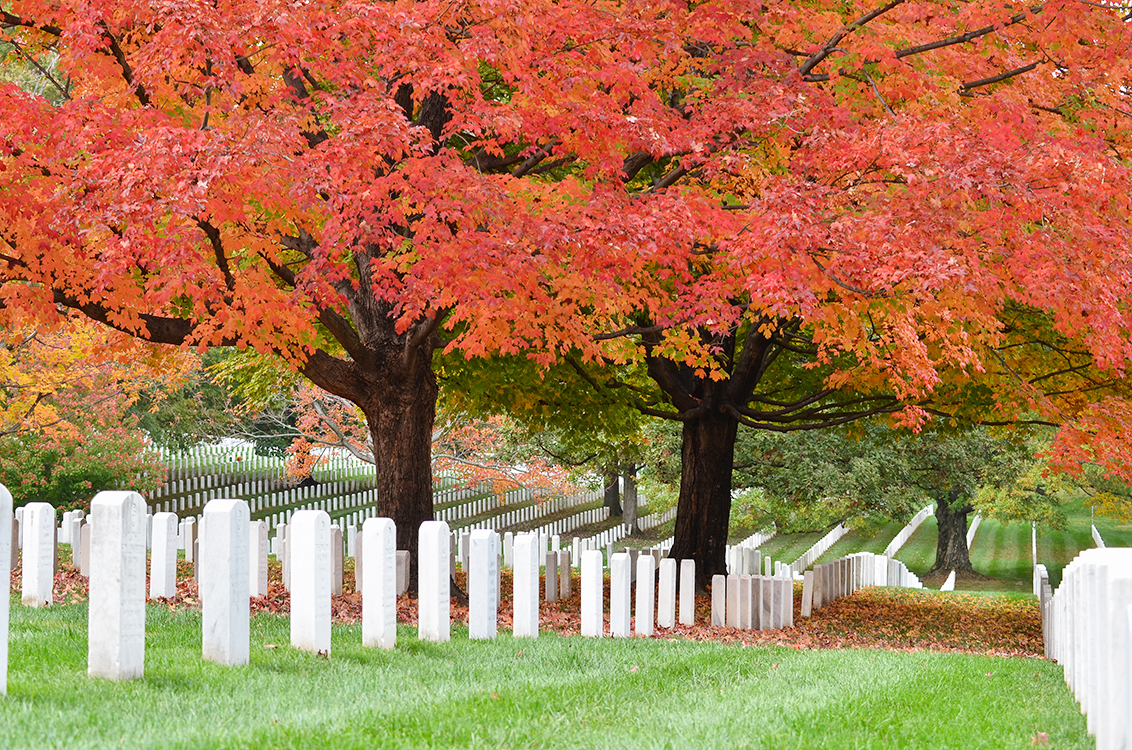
{"x":873,"y":538}
{"x":552,"y":692}
{"x":788,"y":547}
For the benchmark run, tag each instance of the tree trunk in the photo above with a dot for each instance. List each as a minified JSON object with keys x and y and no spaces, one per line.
{"x":630,"y":499}
{"x":951,"y":549}
{"x":613,"y":493}
{"x":400,"y":419}
{"x":704,"y":510}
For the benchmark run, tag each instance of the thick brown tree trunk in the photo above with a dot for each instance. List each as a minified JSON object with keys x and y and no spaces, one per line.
{"x":951,"y":549}
{"x":400,"y":419}
{"x":629,"y":517}
{"x":613,"y":493}
{"x":704,"y":509}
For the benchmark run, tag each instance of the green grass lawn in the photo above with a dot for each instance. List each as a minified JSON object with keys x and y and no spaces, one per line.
{"x":788,"y":547}
{"x":551,"y":692}
{"x":1001,"y":552}
{"x":873,"y":538}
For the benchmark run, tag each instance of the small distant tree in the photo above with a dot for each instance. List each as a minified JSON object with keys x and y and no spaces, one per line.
{"x":67,"y":470}
{"x":66,"y":392}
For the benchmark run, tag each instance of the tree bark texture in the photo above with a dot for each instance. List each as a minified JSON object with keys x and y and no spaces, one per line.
{"x":629,"y":516}
{"x":951,"y":549}
{"x":704,"y":509}
{"x":400,"y":422}
{"x":613,"y":493}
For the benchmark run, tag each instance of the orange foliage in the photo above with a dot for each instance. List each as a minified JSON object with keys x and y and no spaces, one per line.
{"x":59,"y":380}
{"x":341,"y":182}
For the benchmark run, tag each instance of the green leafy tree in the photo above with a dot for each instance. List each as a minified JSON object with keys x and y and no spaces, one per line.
{"x":871,"y":472}
{"x":67,"y":470}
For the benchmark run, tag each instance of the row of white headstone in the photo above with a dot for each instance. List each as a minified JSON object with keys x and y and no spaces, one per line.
{"x":819,"y":548}
{"x":116,"y":628}
{"x":1087,"y":624}
{"x":841,"y":577}
{"x":648,"y":590}
{"x":753,"y":602}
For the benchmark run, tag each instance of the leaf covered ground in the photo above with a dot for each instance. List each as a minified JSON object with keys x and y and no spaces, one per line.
{"x":895,"y":619}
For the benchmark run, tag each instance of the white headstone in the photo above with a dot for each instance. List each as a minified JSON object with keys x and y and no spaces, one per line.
{"x":483,"y":591}
{"x":687,"y":592}
{"x":163,"y":557}
{"x":718,"y":601}
{"x":551,"y":576}
{"x":508,"y":548}
{"x":379,"y":595}
{"x":116,"y":619}
{"x":336,"y":561}
{"x":6,"y":540}
{"x":434,"y":600}
{"x":646,"y":595}
{"x":807,"y":593}
{"x":732,"y":609}
{"x":564,"y":577}
{"x":38,"y":574}
{"x":308,"y":540}
{"x":257,"y":559}
{"x":593,"y":594}
{"x":525,"y":582}
{"x":767,"y":611}
{"x":666,"y":595}
{"x":84,"y":550}
{"x":224,"y":542}
{"x":190,"y":535}
{"x":747,"y":589}
{"x":620,"y":595}
{"x":402,"y":571}
{"x":359,"y":559}
{"x":76,"y":530}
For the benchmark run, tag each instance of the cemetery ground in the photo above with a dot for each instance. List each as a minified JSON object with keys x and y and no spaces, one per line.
{"x":1000,"y":553}
{"x":881,"y":668}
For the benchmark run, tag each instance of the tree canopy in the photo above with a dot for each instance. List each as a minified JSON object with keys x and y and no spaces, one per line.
{"x":793,"y":215}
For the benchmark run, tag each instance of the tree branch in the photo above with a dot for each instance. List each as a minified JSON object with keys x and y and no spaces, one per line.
{"x":967,"y":37}
{"x":995,"y":79}
{"x":845,"y":31}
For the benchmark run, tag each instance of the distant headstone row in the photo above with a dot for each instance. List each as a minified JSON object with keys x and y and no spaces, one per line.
{"x":841,"y":577}
{"x":906,"y":533}
{"x":820,"y":548}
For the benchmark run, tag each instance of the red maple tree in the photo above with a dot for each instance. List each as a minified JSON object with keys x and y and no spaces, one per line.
{"x":797,"y":214}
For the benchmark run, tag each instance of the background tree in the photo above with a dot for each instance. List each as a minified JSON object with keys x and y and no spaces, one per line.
{"x":870,"y":473}
{"x":333,"y":183}
{"x":66,"y":394}
{"x":921,"y":230}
